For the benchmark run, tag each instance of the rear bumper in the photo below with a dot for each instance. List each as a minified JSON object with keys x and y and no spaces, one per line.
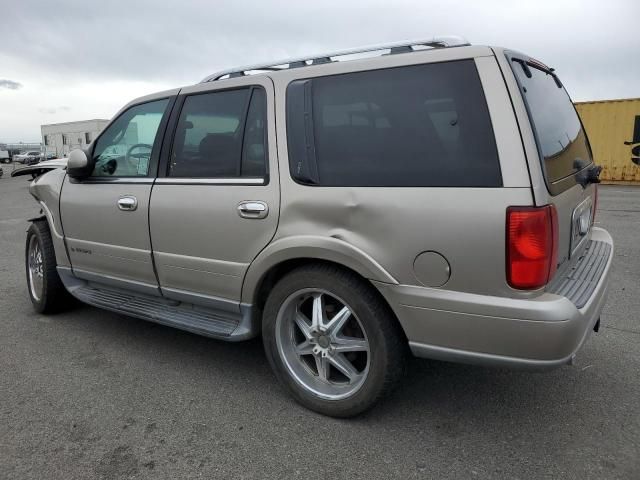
{"x":542,"y":332}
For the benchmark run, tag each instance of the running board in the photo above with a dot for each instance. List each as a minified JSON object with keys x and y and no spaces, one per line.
{"x":224,"y":325}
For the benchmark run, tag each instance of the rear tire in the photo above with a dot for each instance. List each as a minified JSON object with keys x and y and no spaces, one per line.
{"x":342,"y":364}
{"x":47,"y":293}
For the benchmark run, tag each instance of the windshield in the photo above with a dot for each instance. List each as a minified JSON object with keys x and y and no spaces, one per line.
{"x":562,"y":142}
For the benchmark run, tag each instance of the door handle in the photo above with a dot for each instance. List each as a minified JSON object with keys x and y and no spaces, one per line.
{"x":128,"y":203}
{"x":253,"y":209}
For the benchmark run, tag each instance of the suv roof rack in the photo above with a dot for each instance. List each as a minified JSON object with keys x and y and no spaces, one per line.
{"x":396,"y":47}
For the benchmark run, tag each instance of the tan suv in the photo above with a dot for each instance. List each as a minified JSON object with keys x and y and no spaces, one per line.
{"x":430,"y":197}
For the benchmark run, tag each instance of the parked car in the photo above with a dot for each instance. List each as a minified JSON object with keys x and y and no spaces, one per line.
{"x":431,"y":200}
{"x":28,"y":158}
{"x":4,"y":156}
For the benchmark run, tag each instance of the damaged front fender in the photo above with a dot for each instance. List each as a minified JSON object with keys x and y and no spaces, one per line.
{"x":40,"y":168}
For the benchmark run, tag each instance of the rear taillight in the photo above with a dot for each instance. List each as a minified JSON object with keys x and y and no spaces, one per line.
{"x":532,"y":246}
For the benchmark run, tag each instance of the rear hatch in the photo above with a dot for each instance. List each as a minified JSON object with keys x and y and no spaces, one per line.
{"x":565,"y":155}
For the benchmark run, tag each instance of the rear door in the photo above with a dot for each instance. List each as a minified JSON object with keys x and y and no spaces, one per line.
{"x":563,"y":151}
{"x":105,"y":216}
{"x":216,"y":202}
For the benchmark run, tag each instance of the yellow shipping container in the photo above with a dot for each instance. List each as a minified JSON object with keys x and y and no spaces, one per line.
{"x":609,"y":124}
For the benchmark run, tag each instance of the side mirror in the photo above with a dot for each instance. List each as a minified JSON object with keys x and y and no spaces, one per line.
{"x":79,"y":165}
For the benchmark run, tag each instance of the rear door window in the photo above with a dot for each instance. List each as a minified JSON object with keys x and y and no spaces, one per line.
{"x":424,"y":125}
{"x":221,"y":135}
{"x":562,"y":142}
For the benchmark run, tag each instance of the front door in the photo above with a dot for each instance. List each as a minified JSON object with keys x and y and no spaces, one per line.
{"x":215,"y":203}
{"x":105,"y":216}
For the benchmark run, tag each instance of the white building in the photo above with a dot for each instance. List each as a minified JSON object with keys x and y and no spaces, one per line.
{"x":60,"y":138}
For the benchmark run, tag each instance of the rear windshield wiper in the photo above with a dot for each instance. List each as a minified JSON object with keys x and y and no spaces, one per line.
{"x":525,"y":64}
{"x":525,"y":67}
{"x":586,"y":172}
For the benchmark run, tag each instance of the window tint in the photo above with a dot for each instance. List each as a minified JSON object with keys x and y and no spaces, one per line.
{"x":253,"y":149}
{"x":425,"y":125}
{"x":213,"y":140}
{"x":561,"y":139}
{"x":126,"y":146}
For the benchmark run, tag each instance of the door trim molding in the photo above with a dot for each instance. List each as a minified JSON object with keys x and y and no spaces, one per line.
{"x":140,"y":287}
{"x":210,"y":181}
{"x":108,"y":180}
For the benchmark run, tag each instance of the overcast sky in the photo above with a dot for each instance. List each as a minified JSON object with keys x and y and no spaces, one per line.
{"x":70,"y":60}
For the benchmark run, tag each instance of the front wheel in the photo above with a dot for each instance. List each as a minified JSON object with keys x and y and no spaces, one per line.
{"x":46,"y":290}
{"x":332,"y":341}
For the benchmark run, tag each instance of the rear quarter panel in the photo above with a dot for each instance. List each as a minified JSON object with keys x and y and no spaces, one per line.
{"x":394,"y":225}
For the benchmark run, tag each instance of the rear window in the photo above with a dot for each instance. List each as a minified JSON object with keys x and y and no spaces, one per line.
{"x":425,"y":125}
{"x":562,"y":143}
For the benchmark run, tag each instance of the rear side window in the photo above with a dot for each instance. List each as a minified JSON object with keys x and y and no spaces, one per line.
{"x":425,"y":125}
{"x":562,"y":142}
{"x":221,"y":135}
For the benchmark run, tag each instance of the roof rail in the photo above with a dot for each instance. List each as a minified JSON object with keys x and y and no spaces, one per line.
{"x":397,"y":47}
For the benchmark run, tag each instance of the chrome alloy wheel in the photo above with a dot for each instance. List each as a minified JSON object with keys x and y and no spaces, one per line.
{"x":36,"y":274}
{"x":322,"y":344}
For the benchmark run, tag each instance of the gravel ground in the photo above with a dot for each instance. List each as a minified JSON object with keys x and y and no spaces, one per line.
{"x":92,"y":394}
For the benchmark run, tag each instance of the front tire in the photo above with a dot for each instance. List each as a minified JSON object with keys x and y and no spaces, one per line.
{"x":46,"y":290}
{"x":332,"y":341}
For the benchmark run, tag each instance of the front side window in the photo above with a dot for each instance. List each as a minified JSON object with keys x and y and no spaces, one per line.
{"x":125,"y":148}
{"x":221,"y":135}
{"x":424,"y":125}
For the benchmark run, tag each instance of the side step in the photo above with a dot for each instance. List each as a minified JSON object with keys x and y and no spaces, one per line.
{"x":184,"y":317}
{"x":224,"y":325}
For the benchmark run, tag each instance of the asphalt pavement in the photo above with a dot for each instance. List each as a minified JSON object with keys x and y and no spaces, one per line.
{"x":92,"y":394}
